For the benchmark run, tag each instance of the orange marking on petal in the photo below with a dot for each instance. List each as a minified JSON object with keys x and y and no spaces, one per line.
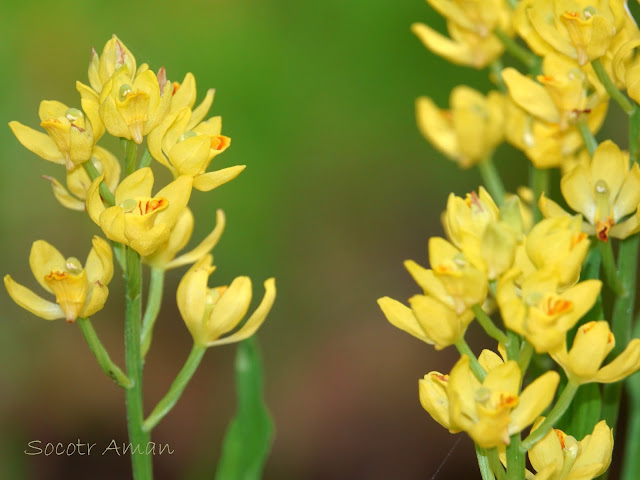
{"x":219,"y":142}
{"x":507,"y":400}
{"x":588,"y":326}
{"x":611,"y":338}
{"x":443,"y":269}
{"x":602,"y":229}
{"x":441,"y":377}
{"x":176,"y":87}
{"x":561,"y":437}
{"x":57,"y":275}
{"x":557,"y":306}
{"x":576,"y":239}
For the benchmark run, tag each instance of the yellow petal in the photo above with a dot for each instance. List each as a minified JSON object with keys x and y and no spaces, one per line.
{"x":138,"y":184}
{"x":595,"y":450}
{"x":190,"y":156}
{"x":178,"y":193}
{"x":204,"y":247}
{"x":32,"y":302}
{"x":201,"y":110}
{"x":148,"y":242}
{"x":211,"y":180}
{"x":402,"y":317}
{"x":255,"y":320}
{"x":455,"y":52}
{"x":547,"y":451}
{"x":440,"y":324}
{"x":63,"y":196}
{"x":99,"y":265}
{"x":229,"y":310}
{"x":112,"y":223}
{"x":51,"y":109}
{"x":622,"y":366}
{"x":578,"y":192}
{"x":94,"y":204}
{"x":185,"y":95}
{"x":191,"y":297}
{"x":96,"y":299}
{"x":39,"y":143}
{"x":436,"y":128}
{"x":530,"y":95}
{"x":628,"y":199}
{"x":44,"y":259}
{"x":90,"y":102}
{"x":433,"y":397}
{"x":534,"y":399}
{"x":610,"y":165}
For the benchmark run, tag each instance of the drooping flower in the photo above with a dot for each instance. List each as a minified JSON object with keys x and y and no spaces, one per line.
{"x":469,"y":131}
{"x":538,"y":309}
{"x":69,"y":139}
{"x":494,"y":409}
{"x":559,"y":456}
{"x":591,"y":345}
{"x":137,"y":219}
{"x":80,"y":292}
{"x":211,"y":313}
{"x":186,"y":145}
{"x":605,"y":192}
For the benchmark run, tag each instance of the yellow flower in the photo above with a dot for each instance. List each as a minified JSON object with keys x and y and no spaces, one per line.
{"x":605,"y":192}
{"x":210,"y":313}
{"x":559,"y":456}
{"x":537,"y":309}
{"x":165,"y":256}
{"x":591,"y":345}
{"x":433,"y":398}
{"x":545,"y":144}
{"x":453,"y":281}
{"x":69,"y":139}
{"x":130,"y":107}
{"x":467,"y":133}
{"x":79,"y":182}
{"x":427,"y":319}
{"x":486,"y":236}
{"x":579,"y":29}
{"x":494,"y":409}
{"x":80,"y":292}
{"x":115,"y":55}
{"x":559,"y":246}
{"x":465,"y":47}
{"x":561,"y":95}
{"x":187,"y":148}
{"x":138,"y":220}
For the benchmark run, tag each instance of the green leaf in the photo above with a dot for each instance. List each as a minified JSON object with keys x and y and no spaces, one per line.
{"x":249,"y":436}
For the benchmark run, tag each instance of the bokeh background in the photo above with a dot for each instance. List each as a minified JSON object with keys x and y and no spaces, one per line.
{"x":339,"y":189}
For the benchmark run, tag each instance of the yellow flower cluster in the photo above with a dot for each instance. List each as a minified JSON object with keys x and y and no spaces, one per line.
{"x":132,"y":102}
{"x":525,"y":257}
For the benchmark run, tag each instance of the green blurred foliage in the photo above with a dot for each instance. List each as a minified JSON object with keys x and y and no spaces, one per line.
{"x":339,"y":189}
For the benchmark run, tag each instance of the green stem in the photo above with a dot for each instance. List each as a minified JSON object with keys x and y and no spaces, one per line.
{"x":531,"y":61}
{"x":476,"y":368}
{"x":515,"y":458}
{"x":483,"y":462}
{"x":526,"y":352}
{"x":631,"y":461}
{"x":539,"y":184}
{"x":105,"y":193}
{"x":487,"y":324}
{"x":131,"y":154}
{"x":102,"y":356}
{"x":634,"y":138}
{"x":512,"y":346}
{"x":165,"y":405}
{"x":141,"y":462}
{"x":589,"y":140}
{"x":611,"y":89}
{"x":146,"y":158}
{"x":154,"y":301}
{"x":609,"y":267}
{"x":496,"y":68}
{"x":554,"y":415}
{"x":496,"y":465}
{"x":492,"y":180}
{"x":622,"y":317}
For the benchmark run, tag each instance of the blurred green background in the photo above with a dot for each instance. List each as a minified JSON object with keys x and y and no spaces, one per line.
{"x":339,"y":189}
